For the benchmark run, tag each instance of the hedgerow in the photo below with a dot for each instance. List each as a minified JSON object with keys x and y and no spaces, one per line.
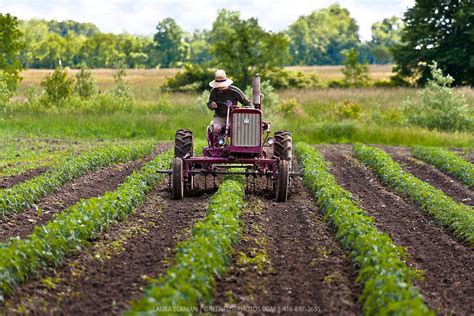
{"x":447,"y":161}
{"x":387,"y":281}
{"x":202,"y":258}
{"x":21,"y":196}
{"x":74,"y":228}
{"x":459,"y":218}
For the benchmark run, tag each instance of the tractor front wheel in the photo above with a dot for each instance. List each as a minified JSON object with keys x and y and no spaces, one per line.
{"x":283,"y":181}
{"x":177,"y":179}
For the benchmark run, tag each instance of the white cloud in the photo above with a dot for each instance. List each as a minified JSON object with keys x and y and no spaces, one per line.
{"x":141,"y":16}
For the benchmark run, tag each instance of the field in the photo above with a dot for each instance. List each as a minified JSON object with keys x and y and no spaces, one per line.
{"x":88,"y":227}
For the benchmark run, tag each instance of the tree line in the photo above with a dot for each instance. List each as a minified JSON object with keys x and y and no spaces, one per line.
{"x":319,"y":38}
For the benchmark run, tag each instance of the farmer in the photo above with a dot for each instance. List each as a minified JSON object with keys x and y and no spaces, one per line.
{"x":223,"y":92}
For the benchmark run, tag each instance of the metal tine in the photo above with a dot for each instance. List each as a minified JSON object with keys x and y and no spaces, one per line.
{"x":214,"y":182}
{"x":205,"y":182}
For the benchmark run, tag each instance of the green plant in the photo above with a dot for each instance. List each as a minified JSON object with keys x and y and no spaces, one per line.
{"x":289,"y":107}
{"x":347,"y":110}
{"x":72,"y":230}
{"x":440,"y":107}
{"x":10,"y":66}
{"x":57,"y":86}
{"x":84,"y":86}
{"x":387,"y":280}
{"x":202,"y":258}
{"x":458,"y":218}
{"x":21,"y":196}
{"x":448,"y":162}
{"x":270,"y":97}
{"x":356,"y":74}
{"x":121,"y":88}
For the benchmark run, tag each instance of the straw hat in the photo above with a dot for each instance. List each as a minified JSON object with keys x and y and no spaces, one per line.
{"x":220,"y":80}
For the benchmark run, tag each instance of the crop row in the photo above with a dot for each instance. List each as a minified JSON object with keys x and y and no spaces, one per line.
{"x":447,"y":161}
{"x":387,"y":280}
{"x":457,"y":217}
{"x":202,"y":258}
{"x":21,"y":196}
{"x":73,"y":229}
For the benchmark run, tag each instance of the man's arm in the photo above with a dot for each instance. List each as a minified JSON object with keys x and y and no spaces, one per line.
{"x":211,"y":98}
{"x":240,"y":96}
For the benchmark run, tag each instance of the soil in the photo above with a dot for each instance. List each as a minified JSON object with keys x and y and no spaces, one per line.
{"x":449,"y":185}
{"x":304,"y":266}
{"x":103,"y":281}
{"x":90,"y":185}
{"x":8,"y":182}
{"x":447,"y":263}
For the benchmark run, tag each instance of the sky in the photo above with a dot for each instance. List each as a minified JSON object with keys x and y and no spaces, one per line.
{"x":141,"y":16}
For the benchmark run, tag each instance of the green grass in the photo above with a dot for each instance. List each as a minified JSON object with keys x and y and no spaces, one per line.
{"x":315,"y":116}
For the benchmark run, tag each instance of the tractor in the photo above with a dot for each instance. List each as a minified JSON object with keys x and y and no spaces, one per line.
{"x":244,"y":143}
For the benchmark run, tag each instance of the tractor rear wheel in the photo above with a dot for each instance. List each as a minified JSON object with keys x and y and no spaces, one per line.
{"x":283,"y":146}
{"x":177,"y":179}
{"x":283,"y":181}
{"x":183,"y":143}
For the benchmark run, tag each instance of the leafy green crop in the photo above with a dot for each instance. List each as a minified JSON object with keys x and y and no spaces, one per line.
{"x":457,"y":217}
{"x":73,"y":229}
{"x":21,"y":196}
{"x":447,"y":161}
{"x":202,"y":258}
{"x":388,"y":281}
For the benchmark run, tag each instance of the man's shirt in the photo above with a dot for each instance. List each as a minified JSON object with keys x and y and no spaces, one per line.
{"x":232,"y":94}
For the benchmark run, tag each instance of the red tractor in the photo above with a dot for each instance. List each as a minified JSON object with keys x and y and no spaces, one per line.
{"x":242,"y":143}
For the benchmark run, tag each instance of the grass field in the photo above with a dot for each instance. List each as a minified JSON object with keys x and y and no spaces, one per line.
{"x":372,"y":115}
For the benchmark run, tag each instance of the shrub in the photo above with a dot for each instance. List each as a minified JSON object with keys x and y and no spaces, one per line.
{"x":289,"y":107}
{"x":440,"y":107}
{"x":270,"y":98}
{"x":346,"y":110}
{"x":57,"y":86}
{"x":285,"y":79}
{"x":121,"y":88}
{"x":193,"y":78}
{"x":85,"y":86}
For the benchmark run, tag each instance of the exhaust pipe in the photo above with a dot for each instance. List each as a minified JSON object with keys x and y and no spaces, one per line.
{"x":256,"y":93}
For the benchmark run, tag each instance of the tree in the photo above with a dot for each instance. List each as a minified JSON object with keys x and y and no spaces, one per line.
{"x":84,"y":86}
{"x":441,"y":31}
{"x":169,"y":43}
{"x":10,"y":66}
{"x":385,"y":35}
{"x":355,"y":73}
{"x":243,"y":48}
{"x":320,"y":37}
{"x":57,"y":86}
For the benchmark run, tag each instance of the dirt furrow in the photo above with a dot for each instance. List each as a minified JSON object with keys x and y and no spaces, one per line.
{"x":92,"y":184}
{"x":447,"y":264}
{"x":288,"y":260}
{"x":103,"y":280}
{"x":449,"y":185}
{"x":8,"y":182}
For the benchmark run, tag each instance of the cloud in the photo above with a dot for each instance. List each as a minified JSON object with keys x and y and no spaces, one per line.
{"x":141,"y":16}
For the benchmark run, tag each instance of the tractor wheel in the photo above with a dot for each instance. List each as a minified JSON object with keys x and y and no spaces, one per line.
{"x":177,"y":179}
{"x":183,"y":143}
{"x":283,"y":181}
{"x":283,"y":146}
